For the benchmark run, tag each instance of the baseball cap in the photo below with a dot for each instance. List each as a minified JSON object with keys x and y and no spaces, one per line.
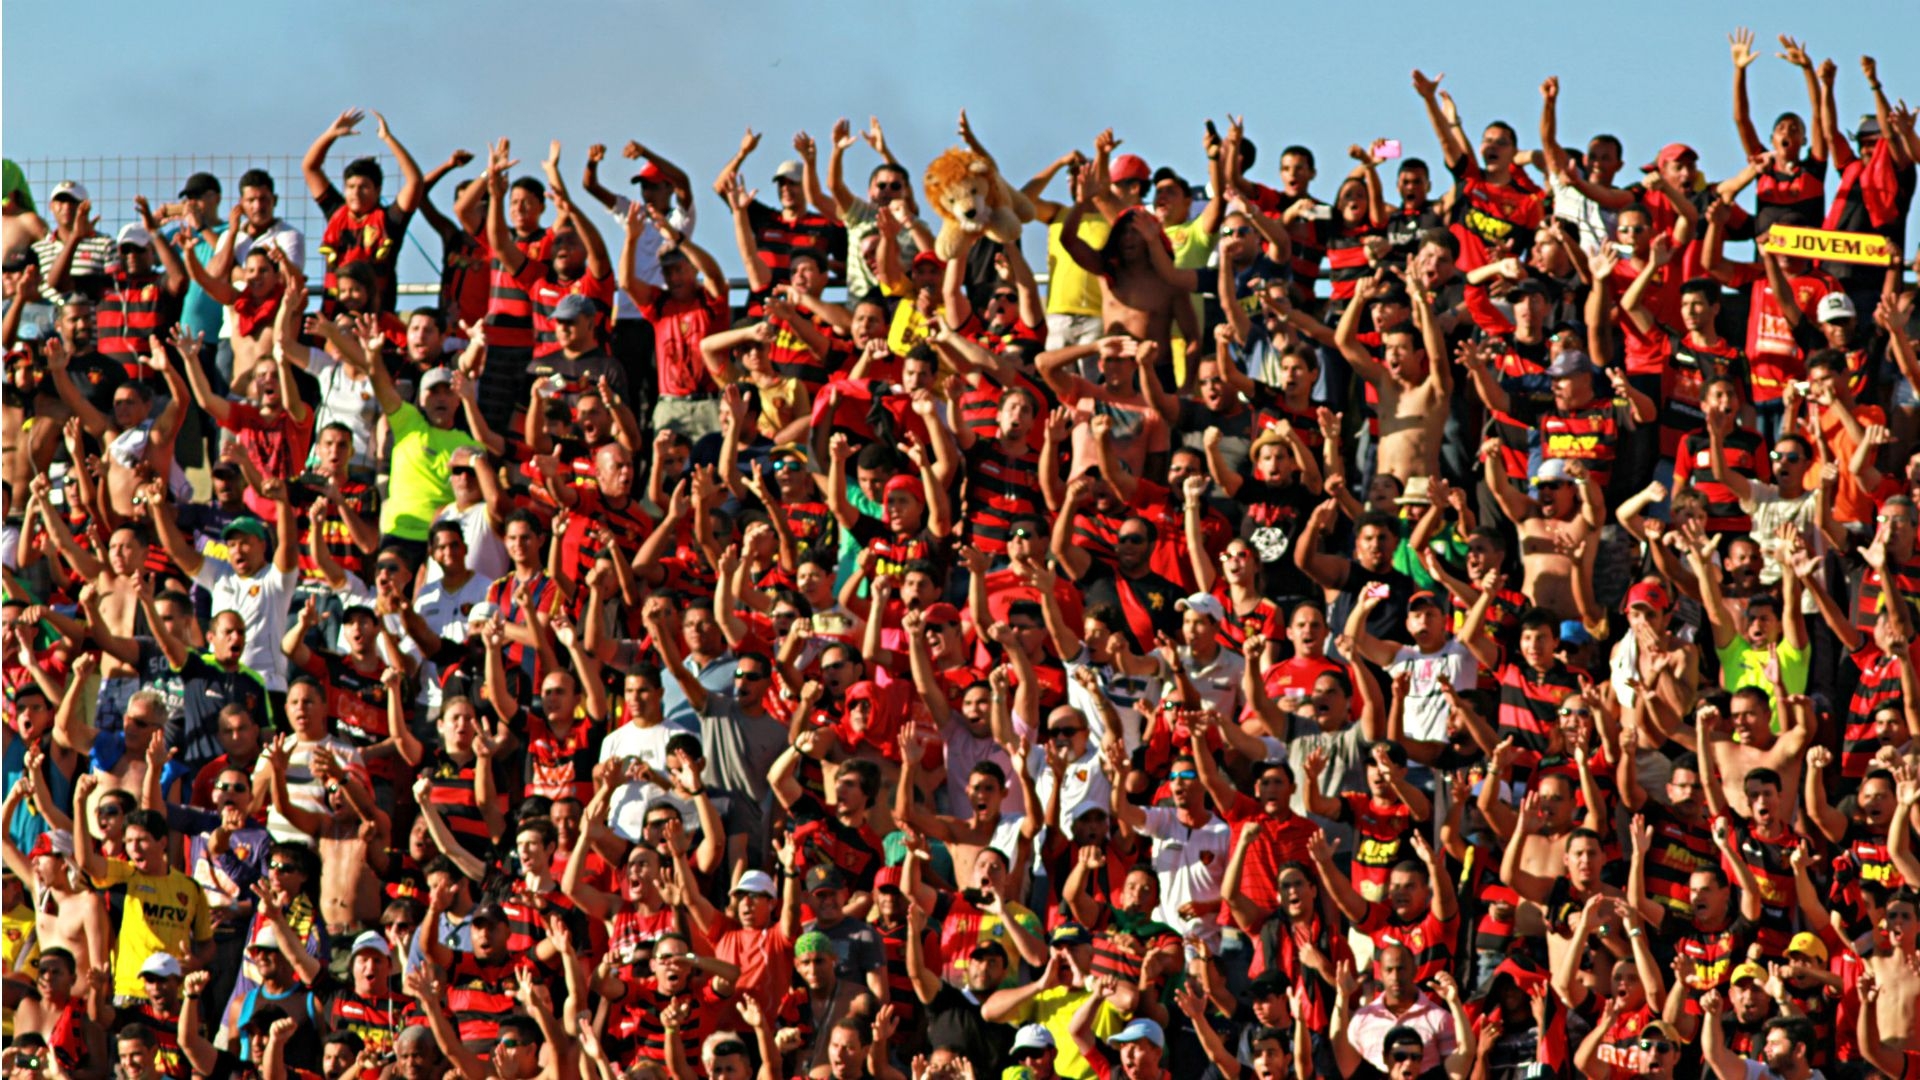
{"x":1136,"y":1030}
{"x":1748,"y":970}
{"x":1551,"y":471}
{"x":887,"y":877}
{"x":1424,"y":596}
{"x":1574,"y":632}
{"x":1033,"y":1037}
{"x":1129,"y":167}
{"x":1809,"y":945}
{"x":904,"y":483}
{"x":987,"y":950}
{"x":649,"y":174}
{"x":1570,"y":364}
{"x":161,"y":966}
{"x":199,"y":184}
{"x":1166,"y":173}
{"x":1205,"y":604}
{"x":70,"y":189}
{"x":1070,"y":933}
{"x":790,"y":171}
{"x":757,"y":883}
{"x":372,"y":941}
{"x":1651,"y":594}
{"x":137,"y":235}
{"x":574,"y":306}
{"x":1529,"y":287}
{"x":439,"y":376}
{"x":1673,"y":151}
{"x":489,"y":912}
{"x":248,"y":524}
{"x":927,"y":258}
{"x":941,"y":613}
{"x":823,"y":877}
{"x":265,"y":939}
{"x":1836,"y":306}
{"x":1662,"y":1029}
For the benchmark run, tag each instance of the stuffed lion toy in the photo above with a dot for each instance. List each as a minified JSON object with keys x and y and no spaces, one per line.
{"x":965,"y":188}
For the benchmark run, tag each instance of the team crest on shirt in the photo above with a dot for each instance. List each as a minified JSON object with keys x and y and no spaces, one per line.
{"x":1206,"y":858}
{"x":253,"y":590}
{"x":180,"y":898}
{"x":1156,"y":601}
{"x":1080,"y":775}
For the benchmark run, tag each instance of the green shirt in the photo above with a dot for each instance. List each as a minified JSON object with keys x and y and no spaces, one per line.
{"x":1742,"y":666}
{"x":422,"y":480}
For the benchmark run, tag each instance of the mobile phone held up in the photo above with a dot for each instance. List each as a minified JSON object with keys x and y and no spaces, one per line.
{"x":1386,"y":149}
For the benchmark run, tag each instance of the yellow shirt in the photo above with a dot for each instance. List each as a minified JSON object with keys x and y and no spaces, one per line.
{"x":1071,"y":290}
{"x":1053,"y":1009}
{"x":164,"y":913}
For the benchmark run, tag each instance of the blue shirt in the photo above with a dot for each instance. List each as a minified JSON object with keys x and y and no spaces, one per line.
{"x":677,"y":711}
{"x":199,"y":312}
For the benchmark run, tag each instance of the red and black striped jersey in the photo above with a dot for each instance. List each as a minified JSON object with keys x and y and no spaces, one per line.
{"x":1383,"y":829}
{"x":1693,"y":466}
{"x":1678,"y":850}
{"x":1430,"y":940}
{"x":1683,"y":383}
{"x":1530,"y":704}
{"x":1589,"y":434}
{"x":453,"y":796}
{"x":1878,"y":685}
{"x":1866,"y":604}
{"x":479,"y":993}
{"x":1767,"y":857}
{"x":1000,"y":487}
{"x":509,"y":296}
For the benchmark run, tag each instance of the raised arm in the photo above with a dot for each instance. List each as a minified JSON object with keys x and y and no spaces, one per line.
{"x":314,"y":166}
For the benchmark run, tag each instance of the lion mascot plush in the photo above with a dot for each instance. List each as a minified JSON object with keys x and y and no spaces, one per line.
{"x":965,"y":187}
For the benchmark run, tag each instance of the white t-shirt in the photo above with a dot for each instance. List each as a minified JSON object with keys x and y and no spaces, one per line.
{"x":307,"y":793}
{"x":1133,"y":698}
{"x":1190,"y":863}
{"x":486,"y":555}
{"x":345,"y":398}
{"x":1084,"y":785}
{"x":262,"y":601}
{"x":445,"y":614}
{"x":1427,"y":708}
{"x":646,"y":251}
{"x":628,"y":811}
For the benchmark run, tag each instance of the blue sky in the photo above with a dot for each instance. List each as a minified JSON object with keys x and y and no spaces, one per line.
{"x":222,"y":77}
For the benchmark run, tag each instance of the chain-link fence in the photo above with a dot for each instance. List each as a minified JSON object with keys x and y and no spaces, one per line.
{"x":112,"y":183}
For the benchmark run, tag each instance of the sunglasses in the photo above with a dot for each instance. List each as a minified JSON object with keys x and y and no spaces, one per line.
{"x":1551,"y":485}
{"x":1006,"y":296}
{"x":1022,"y":533}
{"x":1788,"y":457}
{"x":1406,"y":1055}
{"x":1063,"y":732}
{"x":513,"y":1044}
{"x":461,"y":470}
{"x":787,"y":466}
{"x":390,"y":568}
{"x":1244,"y":230}
{"x":287,"y":867}
{"x":1184,"y":774}
{"x":1131,"y":538}
{"x":108,"y":812}
{"x":1576,"y":712}
{"x":1658,"y":1046}
{"x":225,"y":786}
{"x":835,"y":666}
{"x":942,"y":627}
{"x":748,"y":676}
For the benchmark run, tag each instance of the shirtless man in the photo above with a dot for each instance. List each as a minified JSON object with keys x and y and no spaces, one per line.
{"x":1141,"y":291}
{"x":255,"y":303}
{"x":59,"y":1003}
{"x":352,"y":834}
{"x":117,"y":584}
{"x":67,"y":914}
{"x":133,"y":435}
{"x":1413,"y":376}
{"x":1552,"y":522}
{"x":1727,"y":762}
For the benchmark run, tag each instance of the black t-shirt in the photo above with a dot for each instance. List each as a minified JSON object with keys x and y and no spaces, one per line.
{"x":1389,"y":619}
{"x":206,"y":689}
{"x":953,"y":1019}
{"x":1147,"y":601}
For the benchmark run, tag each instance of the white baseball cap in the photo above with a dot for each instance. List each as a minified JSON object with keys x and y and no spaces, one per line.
{"x":70,"y":189}
{"x":1206,"y":604}
{"x":1836,"y":306}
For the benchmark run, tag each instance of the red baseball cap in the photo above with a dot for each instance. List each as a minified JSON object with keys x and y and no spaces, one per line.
{"x":941,"y":613}
{"x":930,"y":258}
{"x":1651,"y":594}
{"x":887,"y":877}
{"x":1129,"y":167}
{"x":650,"y":174}
{"x":1673,"y":151}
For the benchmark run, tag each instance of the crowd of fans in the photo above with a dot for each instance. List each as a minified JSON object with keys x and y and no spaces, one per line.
{"x":1384,"y":634}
